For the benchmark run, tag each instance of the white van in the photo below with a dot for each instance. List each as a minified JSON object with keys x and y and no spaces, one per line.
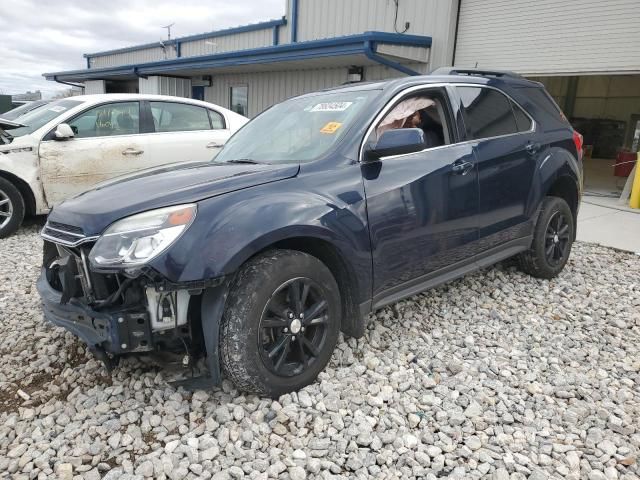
{"x":71,"y":144}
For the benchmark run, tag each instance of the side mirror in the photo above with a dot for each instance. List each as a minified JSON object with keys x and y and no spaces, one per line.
{"x":397,"y":142}
{"x":63,"y":132}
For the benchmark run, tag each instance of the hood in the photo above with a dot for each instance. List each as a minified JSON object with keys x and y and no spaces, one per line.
{"x":5,"y":136}
{"x":7,"y":124}
{"x":96,"y":209}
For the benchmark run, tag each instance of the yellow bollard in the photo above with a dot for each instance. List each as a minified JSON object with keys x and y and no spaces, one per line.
{"x":634,"y":201}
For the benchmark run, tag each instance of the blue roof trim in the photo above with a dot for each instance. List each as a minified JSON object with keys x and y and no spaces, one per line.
{"x":351,"y":44}
{"x":190,"y":38}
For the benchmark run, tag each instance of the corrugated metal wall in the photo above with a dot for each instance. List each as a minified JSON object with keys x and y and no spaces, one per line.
{"x":92,"y":87}
{"x":550,"y":36}
{"x":138,"y":56}
{"x":178,"y":87}
{"x":333,"y":18}
{"x":268,"y":88}
{"x":321,"y":19}
{"x":228,"y":43}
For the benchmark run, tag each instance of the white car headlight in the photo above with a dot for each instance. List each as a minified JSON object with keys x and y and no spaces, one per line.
{"x":135,"y":240}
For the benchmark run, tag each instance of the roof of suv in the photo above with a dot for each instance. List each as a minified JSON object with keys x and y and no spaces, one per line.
{"x":442,"y":75}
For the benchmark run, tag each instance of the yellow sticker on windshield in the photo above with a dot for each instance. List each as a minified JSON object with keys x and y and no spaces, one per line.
{"x":330,"y":127}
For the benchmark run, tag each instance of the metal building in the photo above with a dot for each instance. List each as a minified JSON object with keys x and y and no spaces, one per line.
{"x":317,"y":44}
{"x":585,"y":51}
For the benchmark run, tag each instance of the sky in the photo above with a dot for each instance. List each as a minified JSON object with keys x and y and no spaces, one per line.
{"x":39,"y":37}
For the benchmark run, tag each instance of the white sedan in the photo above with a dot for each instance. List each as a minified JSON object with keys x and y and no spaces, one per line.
{"x":69,"y":145}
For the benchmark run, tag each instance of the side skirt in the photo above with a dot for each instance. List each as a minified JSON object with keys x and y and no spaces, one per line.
{"x":451,"y":272}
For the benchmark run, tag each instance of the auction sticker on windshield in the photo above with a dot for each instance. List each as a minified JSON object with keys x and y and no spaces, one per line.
{"x":57,"y":109}
{"x":330,"y":127}
{"x":331,"y":107}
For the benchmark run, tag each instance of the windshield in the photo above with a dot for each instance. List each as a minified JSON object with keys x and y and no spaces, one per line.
{"x":297,"y":130}
{"x":41,"y":116}
{"x":22,"y":109}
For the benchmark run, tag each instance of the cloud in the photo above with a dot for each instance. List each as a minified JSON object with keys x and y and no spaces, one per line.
{"x":40,"y":37}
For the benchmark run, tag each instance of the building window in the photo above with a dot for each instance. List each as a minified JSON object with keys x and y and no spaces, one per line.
{"x":239,"y":99}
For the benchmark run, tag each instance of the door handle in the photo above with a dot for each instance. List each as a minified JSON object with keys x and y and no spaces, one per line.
{"x":461,"y":168}
{"x":532,"y":148}
{"x":214,"y":145}
{"x":132,"y":151}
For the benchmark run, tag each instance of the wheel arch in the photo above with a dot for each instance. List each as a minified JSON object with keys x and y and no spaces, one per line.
{"x":565,"y":187}
{"x":352,"y":320}
{"x":24,"y":189}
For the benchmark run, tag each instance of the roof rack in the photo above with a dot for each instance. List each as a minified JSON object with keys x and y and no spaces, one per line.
{"x":474,"y":71}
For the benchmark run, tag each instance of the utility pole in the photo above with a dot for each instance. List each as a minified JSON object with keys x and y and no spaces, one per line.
{"x":168,"y":27}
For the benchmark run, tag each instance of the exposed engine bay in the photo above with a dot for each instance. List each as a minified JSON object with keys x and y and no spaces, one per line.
{"x":120,"y":313}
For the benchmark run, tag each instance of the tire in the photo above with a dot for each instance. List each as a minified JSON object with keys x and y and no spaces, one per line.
{"x":552,"y":240}
{"x":11,"y":208}
{"x":261,"y":344}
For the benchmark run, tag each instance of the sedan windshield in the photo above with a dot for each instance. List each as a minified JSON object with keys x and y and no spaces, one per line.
{"x":22,"y":109}
{"x":297,"y":130}
{"x":35,"y":119}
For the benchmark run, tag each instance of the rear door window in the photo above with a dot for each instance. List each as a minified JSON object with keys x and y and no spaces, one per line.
{"x":179,"y":117}
{"x":522,"y":119}
{"x":486,"y":112}
{"x":217,"y":120}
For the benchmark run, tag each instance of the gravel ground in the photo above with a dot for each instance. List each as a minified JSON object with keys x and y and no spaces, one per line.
{"x":497,"y":375}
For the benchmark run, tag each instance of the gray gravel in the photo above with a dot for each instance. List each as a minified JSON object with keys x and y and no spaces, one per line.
{"x":497,"y":375}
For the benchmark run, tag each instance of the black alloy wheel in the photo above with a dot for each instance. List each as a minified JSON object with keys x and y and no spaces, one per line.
{"x":552,"y":240}
{"x":557,"y":239}
{"x":281,"y":322}
{"x":293,"y":327}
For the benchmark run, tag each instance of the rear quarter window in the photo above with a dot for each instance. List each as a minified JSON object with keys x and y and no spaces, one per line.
{"x":542,"y":106}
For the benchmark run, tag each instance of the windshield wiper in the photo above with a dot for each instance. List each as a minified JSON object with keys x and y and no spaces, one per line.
{"x":243,"y":160}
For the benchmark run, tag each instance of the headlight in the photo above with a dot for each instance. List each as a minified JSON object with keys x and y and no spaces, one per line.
{"x":135,"y":240}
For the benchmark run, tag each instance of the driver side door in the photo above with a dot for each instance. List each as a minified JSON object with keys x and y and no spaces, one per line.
{"x":107,"y":142}
{"x":422,"y":210}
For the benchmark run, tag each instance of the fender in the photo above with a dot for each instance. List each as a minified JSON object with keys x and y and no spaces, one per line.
{"x":556,"y":162}
{"x":231,"y":228}
{"x":18,"y":168}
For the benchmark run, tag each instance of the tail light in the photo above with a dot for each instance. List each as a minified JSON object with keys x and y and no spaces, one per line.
{"x":578,"y":140}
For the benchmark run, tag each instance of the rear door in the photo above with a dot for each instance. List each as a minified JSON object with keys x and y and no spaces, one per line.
{"x":183,"y":132}
{"x":107,"y":143}
{"x":502,"y":136}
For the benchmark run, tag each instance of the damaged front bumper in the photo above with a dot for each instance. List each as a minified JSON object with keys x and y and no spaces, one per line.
{"x":114,"y":332}
{"x":115,"y":315}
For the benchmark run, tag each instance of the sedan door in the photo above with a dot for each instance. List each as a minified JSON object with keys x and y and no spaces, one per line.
{"x":184,"y":132}
{"x":106,"y":143}
{"x":422,"y":211}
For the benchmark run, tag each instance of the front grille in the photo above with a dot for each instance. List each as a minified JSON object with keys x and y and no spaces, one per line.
{"x":68,"y":235}
{"x":66,"y":228}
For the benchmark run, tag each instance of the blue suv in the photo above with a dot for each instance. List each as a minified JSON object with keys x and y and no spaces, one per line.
{"x":321,"y":210}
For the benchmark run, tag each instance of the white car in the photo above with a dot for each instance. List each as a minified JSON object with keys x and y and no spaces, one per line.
{"x":69,"y":145}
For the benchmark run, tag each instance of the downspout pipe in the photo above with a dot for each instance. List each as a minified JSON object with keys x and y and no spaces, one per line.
{"x":77,"y":85}
{"x":294,"y":21}
{"x":370,"y":53}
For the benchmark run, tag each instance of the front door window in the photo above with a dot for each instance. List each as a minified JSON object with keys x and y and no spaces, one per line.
{"x":107,"y":120}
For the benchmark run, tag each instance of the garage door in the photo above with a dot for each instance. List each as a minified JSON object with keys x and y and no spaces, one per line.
{"x":550,"y":36}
